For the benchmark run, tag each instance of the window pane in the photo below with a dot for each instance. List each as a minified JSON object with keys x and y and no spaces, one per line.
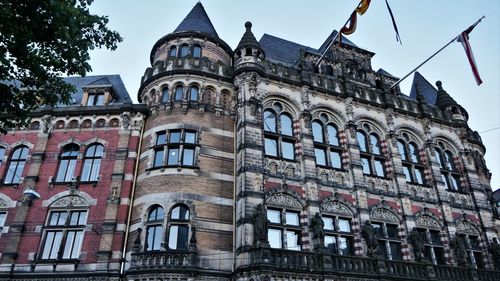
{"x":173,"y":51}
{"x":396,"y":251}
{"x":374,"y":144}
{"x":175,"y":137}
{"x":188,"y":157}
{"x":158,"y":158}
{"x":87,"y":166}
{"x":269,"y":121}
{"x":455,"y":182}
{"x":392,"y":231}
{"x":402,"y":150}
{"x":286,"y":125}
{"x":438,"y":157}
{"x":52,"y":244}
{"x":479,"y":259}
{"x":449,"y":161}
{"x":287,"y":150}
{"x":331,"y":244}
{"x":413,"y":153}
{"x":474,"y":242}
{"x":70,"y":172}
{"x":292,"y":218}
{"x":57,"y":218}
{"x":196,"y":52}
{"x":180,"y":213}
{"x":344,"y":225}
{"x":271,"y":147}
{"x":419,"y":176}
{"x":154,"y":235}
{"x":320,"y":156}
{"x":336,"y":159}
{"x":164,"y":95}
{"x":273,"y":216}
{"x":73,"y":244}
{"x":2,"y":154}
{"x":2,"y":219}
{"x":377,"y":227}
{"x":90,"y":99}
{"x":184,"y":51}
{"x":173,"y":156}
{"x":445,"y":181}
{"x":361,"y":141}
{"x":328,"y":223}
{"x":178,"y":237}
{"x":193,"y":94}
{"x":379,"y":168}
{"x":100,"y":99}
{"x":63,"y":166}
{"x":96,"y":164}
{"x":317,"y":130}
{"x":274,"y":236}
{"x":157,"y":213}
{"x":292,"y":240}
{"x":190,"y":137}
{"x":366,"y":166}
{"x":173,"y":234}
{"x":179,"y":93}
{"x":439,"y":253}
{"x":345,"y":246}
{"x":161,"y":138}
{"x":406,"y":171}
{"x":332,"y":135}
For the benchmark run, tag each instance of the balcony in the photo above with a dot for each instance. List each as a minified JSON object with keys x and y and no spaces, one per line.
{"x":330,"y":266}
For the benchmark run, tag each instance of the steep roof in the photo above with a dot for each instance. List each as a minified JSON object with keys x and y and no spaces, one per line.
{"x":248,"y":39}
{"x":114,"y":81}
{"x":344,"y":41}
{"x":197,"y":20}
{"x":424,"y":88}
{"x":282,"y":50}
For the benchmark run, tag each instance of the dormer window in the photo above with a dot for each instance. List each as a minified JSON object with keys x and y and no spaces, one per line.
{"x":95,"y":99}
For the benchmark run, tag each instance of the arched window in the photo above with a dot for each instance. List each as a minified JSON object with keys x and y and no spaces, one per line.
{"x":193,"y":93}
{"x":196,"y":51}
{"x":326,"y":145}
{"x":178,"y":228}
{"x":173,"y":52}
{"x":63,"y":234}
{"x":412,"y":165}
{"x":165,"y":98}
{"x":370,"y":151}
{"x":278,"y":133}
{"x":184,"y":50}
{"x":92,"y":162}
{"x":449,"y":173}
{"x":179,"y":93}
{"x":67,"y":163}
{"x":16,"y":165}
{"x":284,"y":228}
{"x":154,"y":228}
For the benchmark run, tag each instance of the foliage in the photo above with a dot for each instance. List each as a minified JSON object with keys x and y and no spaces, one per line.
{"x":39,"y":42}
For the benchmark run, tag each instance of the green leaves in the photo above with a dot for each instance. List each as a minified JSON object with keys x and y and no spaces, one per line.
{"x":40,"y":41}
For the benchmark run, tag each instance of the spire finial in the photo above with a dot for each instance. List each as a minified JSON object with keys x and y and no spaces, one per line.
{"x":439,"y":84}
{"x":248,"y":26}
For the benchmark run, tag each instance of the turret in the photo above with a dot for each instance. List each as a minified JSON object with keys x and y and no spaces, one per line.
{"x":447,"y":104}
{"x":249,"y":55}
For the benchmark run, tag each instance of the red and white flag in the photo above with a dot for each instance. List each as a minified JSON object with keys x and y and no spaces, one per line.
{"x":464,"y":39}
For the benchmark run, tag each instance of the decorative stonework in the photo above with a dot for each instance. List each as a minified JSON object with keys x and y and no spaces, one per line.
{"x":463,"y":225}
{"x":70,"y":201}
{"x":422,"y":193}
{"x":378,"y":184}
{"x":335,"y":207}
{"x":281,"y":168}
{"x":426,"y":220}
{"x":384,"y":213}
{"x":3,"y":204}
{"x":284,"y":200}
{"x":330,"y":176}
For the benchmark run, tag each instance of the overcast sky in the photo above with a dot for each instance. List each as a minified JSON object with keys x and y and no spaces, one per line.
{"x":424,"y":25}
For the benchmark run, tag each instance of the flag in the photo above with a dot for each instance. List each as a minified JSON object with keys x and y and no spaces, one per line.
{"x":464,"y":39}
{"x":364,"y":4}
{"x":398,"y":38}
{"x":350,"y":26}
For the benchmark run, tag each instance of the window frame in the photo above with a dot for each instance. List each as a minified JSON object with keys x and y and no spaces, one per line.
{"x":155,"y":225}
{"x":448,"y":168}
{"x":338,"y":234}
{"x":65,"y":162}
{"x":178,"y":223}
{"x":16,"y":161}
{"x":65,"y":229}
{"x":185,"y":149}
{"x":183,"y":47}
{"x":282,"y":141}
{"x":385,"y":240}
{"x":193,"y":51}
{"x":284,"y":228}
{"x":371,"y":156}
{"x":165,"y":95}
{"x":412,"y":165}
{"x":93,"y":159}
{"x":326,"y":146}
{"x":95,"y":99}
{"x":431,"y":245}
{"x":174,"y":49}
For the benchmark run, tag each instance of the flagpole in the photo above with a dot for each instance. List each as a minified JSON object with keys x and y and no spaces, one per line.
{"x":335,"y":37}
{"x":415,"y":69}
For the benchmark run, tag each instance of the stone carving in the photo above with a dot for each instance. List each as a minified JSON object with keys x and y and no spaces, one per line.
{"x":427,"y":221}
{"x":368,"y":232}
{"x":418,"y":240}
{"x":260,"y":225}
{"x":383,"y":212}
{"x":137,"y":241}
{"x":284,"y":200}
{"x":389,"y":115}
{"x":332,"y":176}
{"x":317,"y":226}
{"x":305,"y":97}
{"x":349,"y":109}
{"x":495,"y":252}
{"x":3,"y":204}
{"x":336,"y":207}
{"x":126,"y":121}
{"x":70,"y":201}
{"x":47,"y":124}
{"x":467,"y":227}
{"x":458,"y":246}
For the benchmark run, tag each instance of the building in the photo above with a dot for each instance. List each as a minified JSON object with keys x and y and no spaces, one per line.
{"x":253,"y":164}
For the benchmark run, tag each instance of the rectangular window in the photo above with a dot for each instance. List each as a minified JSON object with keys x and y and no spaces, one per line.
{"x":331,"y":244}
{"x":392,"y":231}
{"x":173,"y":156}
{"x":407,"y":173}
{"x":419,"y":178}
{"x":95,"y":99}
{"x":58,"y":218}
{"x":435,"y":237}
{"x":74,"y":240}
{"x":396,"y":251}
{"x":161,"y":138}
{"x":336,"y":159}
{"x":64,"y":235}
{"x":366,"y":166}
{"x":345,"y":246}
{"x":292,"y":240}
{"x":188,"y":157}
{"x":158,"y":162}
{"x":178,"y":237}
{"x":52,"y":244}
{"x":344,"y":225}
{"x":287,"y":150}
{"x":274,"y":236}
{"x":154,"y":236}
{"x":439,"y":254}
{"x":329,"y":224}
{"x":320,"y":156}
{"x":379,"y":168}
{"x":271,"y":146}
{"x":190,"y":137}
{"x":273,"y":216}
{"x":377,"y":227}
{"x":175,"y":137}
{"x":292,"y":218}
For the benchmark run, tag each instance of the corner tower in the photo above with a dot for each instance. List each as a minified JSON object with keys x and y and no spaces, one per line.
{"x":182,"y":211}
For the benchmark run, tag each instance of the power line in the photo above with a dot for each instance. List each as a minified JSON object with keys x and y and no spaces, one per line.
{"x":489,"y":130}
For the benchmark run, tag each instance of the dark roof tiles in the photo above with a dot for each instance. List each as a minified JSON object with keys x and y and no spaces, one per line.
{"x":115,"y":81}
{"x":197,"y":20}
{"x":424,"y":88}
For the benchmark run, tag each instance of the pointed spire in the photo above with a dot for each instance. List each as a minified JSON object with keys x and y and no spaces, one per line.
{"x":197,"y":20}
{"x":444,"y":100}
{"x":248,"y":39}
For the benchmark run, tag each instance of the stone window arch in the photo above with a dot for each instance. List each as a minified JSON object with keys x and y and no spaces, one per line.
{"x":92,"y":162}
{"x":17,"y":161}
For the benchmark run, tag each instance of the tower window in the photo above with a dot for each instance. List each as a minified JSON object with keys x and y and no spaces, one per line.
{"x":184,"y":51}
{"x":197,"y":51}
{"x":173,"y":52}
{"x":165,"y":98}
{"x":154,"y":228}
{"x":179,"y":93}
{"x":177,"y":148}
{"x":193,"y":93}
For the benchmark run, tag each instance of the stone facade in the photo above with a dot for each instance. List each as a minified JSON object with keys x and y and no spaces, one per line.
{"x":255,"y":164}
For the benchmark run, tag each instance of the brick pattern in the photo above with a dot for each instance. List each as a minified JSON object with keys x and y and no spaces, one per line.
{"x":461,"y":169}
{"x":346,"y":160}
{"x":358,"y":246}
{"x":389,"y":169}
{"x":298,"y":144}
{"x":405,"y":248}
{"x":422,"y":154}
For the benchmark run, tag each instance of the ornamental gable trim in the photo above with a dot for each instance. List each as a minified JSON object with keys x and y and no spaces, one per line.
{"x":70,"y":202}
{"x":384,"y":213}
{"x":427,"y":219}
